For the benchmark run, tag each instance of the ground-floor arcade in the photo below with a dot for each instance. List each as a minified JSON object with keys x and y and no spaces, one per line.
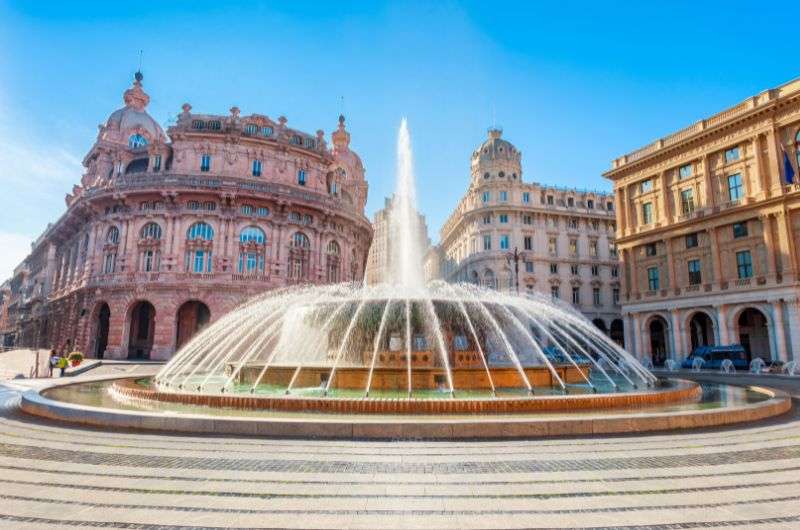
{"x":125,"y":324}
{"x":766,"y":327}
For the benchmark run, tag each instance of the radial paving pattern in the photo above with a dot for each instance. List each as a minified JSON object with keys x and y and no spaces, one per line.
{"x":53,"y":476}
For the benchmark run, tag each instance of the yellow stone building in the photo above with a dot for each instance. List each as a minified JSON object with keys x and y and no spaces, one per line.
{"x":708,"y":231}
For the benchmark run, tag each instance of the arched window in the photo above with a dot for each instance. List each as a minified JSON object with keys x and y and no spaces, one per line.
{"x":252,"y":234}
{"x":266,"y":132}
{"x":113,"y":235}
{"x":300,"y":240}
{"x":488,"y":279}
{"x":137,"y":141}
{"x":214,"y":125}
{"x":296,"y":140}
{"x":333,"y":248}
{"x":332,"y":266}
{"x":301,"y":177}
{"x":193,"y":205}
{"x":246,"y":209}
{"x":151,"y":231}
{"x":262,"y":211}
{"x":200,"y":230}
{"x":210,"y":206}
{"x":251,"y":129}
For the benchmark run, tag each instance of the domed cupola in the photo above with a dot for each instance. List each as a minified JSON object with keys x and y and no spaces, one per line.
{"x":132,"y":124}
{"x":496,"y":159}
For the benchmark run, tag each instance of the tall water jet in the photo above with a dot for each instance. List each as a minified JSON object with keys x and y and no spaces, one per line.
{"x":406,"y":260}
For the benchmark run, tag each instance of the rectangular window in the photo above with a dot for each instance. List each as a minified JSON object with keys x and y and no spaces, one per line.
{"x":647,"y":213}
{"x":590,"y":204}
{"x":615,"y":272}
{"x":610,"y":206}
{"x":205,"y":163}
{"x":573,"y":247}
{"x":595,"y":270}
{"x":595,"y":224}
{"x":576,"y":295}
{"x":504,"y":196}
{"x":652,"y":279}
{"x":554,"y":268}
{"x":685,"y":171}
{"x":732,"y":154}
{"x":301,"y":177}
{"x":573,"y":223}
{"x":687,"y":201}
{"x":486,"y":196}
{"x":554,"y":294}
{"x":199,"y":261}
{"x":504,"y":242}
{"x":550,"y":199}
{"x":744,"y":264}
{"x":110,"y":263}
{"x":527,"y":242}
{"x":596,"y":296}
{"x":487,"y":242}
{"x":157,"y":163}
{"x":646,"y":186}
{"x":735,"y":188}
{"x":551,"y":246}
{"x":526,"y":197}
{"x":256,"y":168}
{"x":650,"y":249}
{"x":739,"y":230}
{"x":528,"y":266}
{"x":593,"y":248}
{"x":615,"y":295}
{"x":573,"y":269}
{"x":691,"y":240}
{"x":570,"y":202}
{"x":695,"y":277}
{"x":527,"y":220}
{"x":487,"y":219}
{"x":503,"y":218}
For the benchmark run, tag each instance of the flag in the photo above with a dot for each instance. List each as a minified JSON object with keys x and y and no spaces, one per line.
{"x":788,"y":170}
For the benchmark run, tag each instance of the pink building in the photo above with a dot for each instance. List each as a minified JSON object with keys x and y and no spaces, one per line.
{"x":167,"y":232}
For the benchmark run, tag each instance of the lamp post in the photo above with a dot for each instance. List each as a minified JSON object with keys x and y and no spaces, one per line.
{"x":515,"y":257}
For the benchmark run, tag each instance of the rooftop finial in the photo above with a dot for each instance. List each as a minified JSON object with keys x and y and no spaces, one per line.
{"x":138,"y":75}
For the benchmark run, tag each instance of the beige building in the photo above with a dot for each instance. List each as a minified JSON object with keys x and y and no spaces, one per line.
{"x":709,"y":230}
{"x":379,"y":258}
{"x":564,"y":237}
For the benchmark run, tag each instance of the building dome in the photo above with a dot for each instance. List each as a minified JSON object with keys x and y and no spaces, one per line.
{"x":496,"y":157}
{"x":133,"y":117}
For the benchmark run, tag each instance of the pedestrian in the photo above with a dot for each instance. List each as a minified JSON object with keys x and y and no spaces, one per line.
{"x":62,"y":364}
{"x":53,"y":361}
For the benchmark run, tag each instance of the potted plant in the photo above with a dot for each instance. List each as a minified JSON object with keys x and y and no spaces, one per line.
{"x":75,"y":358}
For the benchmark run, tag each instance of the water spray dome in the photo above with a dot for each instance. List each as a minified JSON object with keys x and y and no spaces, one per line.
{"x":443,"y":341}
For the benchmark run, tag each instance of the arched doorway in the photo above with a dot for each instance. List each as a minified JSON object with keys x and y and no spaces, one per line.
{"x":192,"y":317}
{"x":101,"y":336}
{"x":754,"y":334}
{"x":142,"y":330}
{"x":599,"y":324}
{"x":701,"y":330}
{"x":658,"y":340}
{"x":617,"y":333}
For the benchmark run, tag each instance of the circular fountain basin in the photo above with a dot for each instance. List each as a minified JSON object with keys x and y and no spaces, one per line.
{"x":92,"y":403}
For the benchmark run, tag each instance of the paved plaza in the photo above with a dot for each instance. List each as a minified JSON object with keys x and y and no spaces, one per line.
{"x":55,"y":475}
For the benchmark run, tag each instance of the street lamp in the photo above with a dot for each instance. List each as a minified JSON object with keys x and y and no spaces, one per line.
{"x":515,"y":257}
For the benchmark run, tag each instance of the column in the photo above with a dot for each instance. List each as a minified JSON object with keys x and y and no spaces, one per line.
{"x":758,"y":179}
{"x":678,"y":348}
{"x":773,"y":163}
{"x":715,"y":259}
{"x":666,"y":207}
{"x":769,"y":243}
{"x":628,"y":213}
{"x":634,"y":287}
{"x":637,"y":336}
{"x":711,"y":198}
{"x":778,"y":330}
{"x":722,"y":319}
{"x":788,"y":256}
{"x":793,"y":315}
{"x":673,"y":284}
{"x":619,"y":200}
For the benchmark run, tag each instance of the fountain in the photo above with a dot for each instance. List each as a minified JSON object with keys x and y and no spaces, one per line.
{"x":402,"y":359}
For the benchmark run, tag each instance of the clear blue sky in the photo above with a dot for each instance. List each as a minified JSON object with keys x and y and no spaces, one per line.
{"x":573,"y":84}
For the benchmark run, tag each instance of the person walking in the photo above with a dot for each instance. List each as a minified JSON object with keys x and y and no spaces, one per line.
{"x":62,"y":364}
{"x":53,"y":361}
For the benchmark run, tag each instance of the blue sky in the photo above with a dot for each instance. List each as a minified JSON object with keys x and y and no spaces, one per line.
{"x":573,"y":84}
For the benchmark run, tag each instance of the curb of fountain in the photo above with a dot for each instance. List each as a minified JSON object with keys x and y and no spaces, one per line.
{"x":366,"y":427}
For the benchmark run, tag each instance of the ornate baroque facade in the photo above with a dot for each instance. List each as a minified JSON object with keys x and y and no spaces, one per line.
{"x":564,"y":237}
{"x":709,"y":232}
{"x":167,"y":232}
